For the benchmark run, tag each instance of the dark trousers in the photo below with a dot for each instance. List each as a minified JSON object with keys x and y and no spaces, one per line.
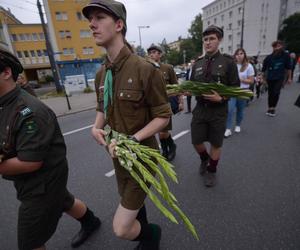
{"x":274,"y":88}
{"x":189,"y":101}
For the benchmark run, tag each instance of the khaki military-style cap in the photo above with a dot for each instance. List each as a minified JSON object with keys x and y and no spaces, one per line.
{"x":154,"y":47}
{"x":115,"y":8}
{"x":213,"y":29}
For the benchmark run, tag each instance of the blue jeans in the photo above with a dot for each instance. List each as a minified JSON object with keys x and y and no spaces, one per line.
{"x":238,"y":105}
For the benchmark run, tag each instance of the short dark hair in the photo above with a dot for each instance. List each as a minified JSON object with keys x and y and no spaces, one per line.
{"x":8,"y":60}
{"x":278,"y":42}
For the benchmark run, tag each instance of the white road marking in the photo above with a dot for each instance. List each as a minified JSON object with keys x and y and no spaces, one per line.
{"x":175,"y":137}
{"x":110,"y":173}
{"x":77,"y":130}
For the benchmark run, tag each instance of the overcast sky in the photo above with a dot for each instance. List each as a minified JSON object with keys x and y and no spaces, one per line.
{"x":167,"y":18}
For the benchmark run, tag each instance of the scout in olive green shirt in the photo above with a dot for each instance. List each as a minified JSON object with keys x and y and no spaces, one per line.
{"x":33,"y":156}
{"x":167,"y":143}
{"x":210,"y":114}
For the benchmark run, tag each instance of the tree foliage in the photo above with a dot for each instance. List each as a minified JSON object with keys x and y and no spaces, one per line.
{"x":290,"y":33}
{"x":196,"y":32}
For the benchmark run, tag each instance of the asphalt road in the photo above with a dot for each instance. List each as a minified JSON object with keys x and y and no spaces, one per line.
{"x":255,"y":204}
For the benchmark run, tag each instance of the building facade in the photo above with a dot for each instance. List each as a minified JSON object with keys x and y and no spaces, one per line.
{"x":254,"y":23}
{"x":73,"y":45}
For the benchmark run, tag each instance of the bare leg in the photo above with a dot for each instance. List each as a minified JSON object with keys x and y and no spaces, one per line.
{"x":215,"y":153}
{"x":200,"y":148}
{"x":125,"y":225}
{"x":77,"y":210}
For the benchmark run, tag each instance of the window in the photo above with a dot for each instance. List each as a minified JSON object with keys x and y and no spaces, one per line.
{"x":34,"y":36}
{"x":229,"y":49}
{"x":222,"y":50}
{"x":222,"y":18}
{"x":61,"y":16}
{"x":239,"y":23}
{"x":68,"y":51}
{"x":230,"y":14}
{"x":26,"y":53}
{"x":238,"y":46}
{"x":79,"y":16}
{"x":39,"y":53}
{"x":32,"y":53}
{"x":68,"y":34}
{"x":14,"y":37}
{"x":45,"y":52}
{"x":88,"y":50}
{"x":208,"y":23}
{"x":215,"y":20}
{"x":62,"y":34}
{"x":229,"y":37}
{"x":22,"y":37}
{"x":230,"y":26}
{"x":19,"y":53}
{"x":41,"y":36}
{"x":240,"y":10}
{"x":28,"y":37}
{"x":85,"y":33}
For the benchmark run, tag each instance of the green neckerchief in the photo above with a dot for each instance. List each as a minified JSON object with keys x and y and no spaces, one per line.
{"x":108,"y":90}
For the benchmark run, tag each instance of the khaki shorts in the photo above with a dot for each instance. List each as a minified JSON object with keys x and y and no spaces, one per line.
{"x":39,"y":216}
{"x":208,"y":124}
{"x":132,"y":195}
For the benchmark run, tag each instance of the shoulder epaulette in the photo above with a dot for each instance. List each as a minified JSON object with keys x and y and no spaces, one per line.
{"x":155,"y":64}
{"x":227,"y":56}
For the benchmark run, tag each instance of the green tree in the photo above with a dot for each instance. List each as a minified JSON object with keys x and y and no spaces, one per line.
{"x":290,"y":33}
{"x":196,"y":33}
{"x":189,"y":47}
{"x":173,"y":57}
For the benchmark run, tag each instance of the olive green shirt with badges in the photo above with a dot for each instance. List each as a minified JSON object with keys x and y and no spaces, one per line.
{"x":220,"y":69}
{"x":139,"y":94}
{"x":168,"y":73}
{"x":30,"y":132}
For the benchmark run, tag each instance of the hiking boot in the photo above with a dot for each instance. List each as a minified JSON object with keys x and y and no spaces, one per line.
{"x":210,"y":179}
{"x":203,"y":167}
{"x":172,"y":152}
{"x":85,"y":233}
{"x":227,"y":133}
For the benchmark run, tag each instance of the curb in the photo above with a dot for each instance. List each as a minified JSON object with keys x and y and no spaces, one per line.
{"x":75,"y":112}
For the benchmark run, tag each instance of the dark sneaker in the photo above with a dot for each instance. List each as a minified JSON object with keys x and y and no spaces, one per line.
{"x":153,"y":244}
{"x":272,"y":113}
{"x":172,"y":152}
{"x":203,"y":167}
{"x":210,"y":179}
{"x":268,"y":112}
{"x":85,"y":233}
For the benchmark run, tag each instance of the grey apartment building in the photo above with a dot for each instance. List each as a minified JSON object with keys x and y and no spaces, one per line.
{"x":258,"y":20}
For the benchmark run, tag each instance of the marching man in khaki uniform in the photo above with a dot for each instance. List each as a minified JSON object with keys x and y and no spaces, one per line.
{"x":210,"y":114}
{"x":167,"y":144}
{"x":131,"y":99}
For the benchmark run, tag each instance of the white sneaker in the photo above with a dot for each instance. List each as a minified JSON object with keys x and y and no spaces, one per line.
{"x":237,"y":129}
{"x":227,"y":133}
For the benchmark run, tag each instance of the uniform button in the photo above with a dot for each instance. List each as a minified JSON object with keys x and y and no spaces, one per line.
{"x":128,"y":96}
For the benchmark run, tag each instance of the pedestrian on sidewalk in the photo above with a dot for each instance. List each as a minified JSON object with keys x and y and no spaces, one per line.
{"x":131,"y":99}
{"x":33,"y":156}
{"x":246,"y":75}
{"x":188,"y":77}
{"x":274,"y":68}
{"x":167,"y":143}
{"x":210,"y":113}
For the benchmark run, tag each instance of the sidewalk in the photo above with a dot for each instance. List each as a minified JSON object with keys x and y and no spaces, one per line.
{"x":78,"y":102}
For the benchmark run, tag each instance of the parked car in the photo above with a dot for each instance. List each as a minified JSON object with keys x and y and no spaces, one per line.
{"x":34,"y":84}
{"x":179,"y":73}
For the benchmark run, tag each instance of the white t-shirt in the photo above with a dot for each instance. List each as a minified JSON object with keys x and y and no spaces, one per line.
{"x":249,"y":71}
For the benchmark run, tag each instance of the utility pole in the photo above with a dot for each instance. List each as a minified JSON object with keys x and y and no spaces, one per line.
{"x":50,"y":50}
{"x":243,"y":22}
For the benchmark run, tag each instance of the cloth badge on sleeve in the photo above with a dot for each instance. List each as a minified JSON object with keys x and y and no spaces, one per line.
{"x":30,"y":127}
{"x":26,"y":111}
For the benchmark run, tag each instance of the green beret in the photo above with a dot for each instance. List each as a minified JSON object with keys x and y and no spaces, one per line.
{"x":213,"y":29}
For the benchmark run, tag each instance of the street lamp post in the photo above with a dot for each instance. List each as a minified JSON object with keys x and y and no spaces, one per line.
{"x":140,"y":37}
